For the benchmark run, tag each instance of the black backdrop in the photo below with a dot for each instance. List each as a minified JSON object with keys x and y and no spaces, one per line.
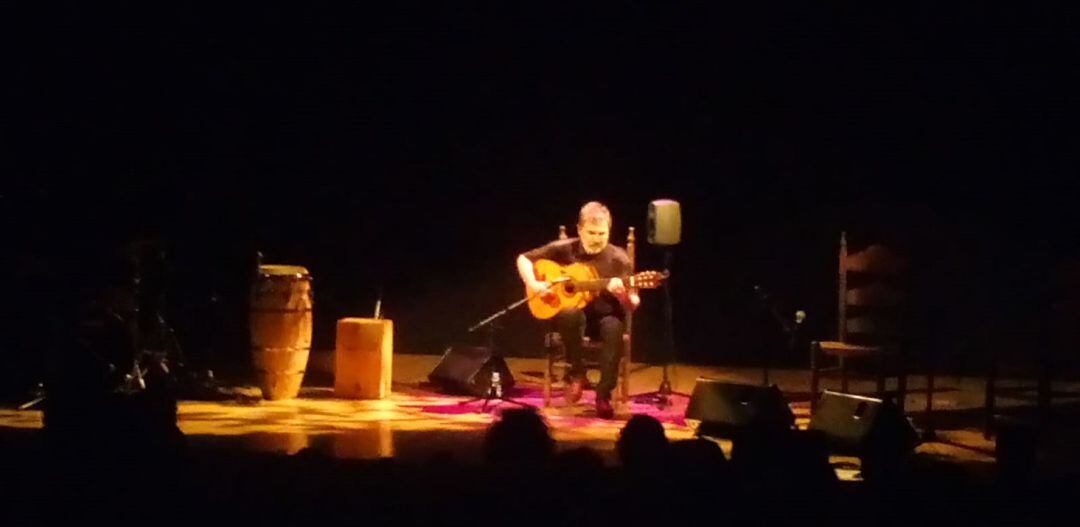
{"x":420,"y":148}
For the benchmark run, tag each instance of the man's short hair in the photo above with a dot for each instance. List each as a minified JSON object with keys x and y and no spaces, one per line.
{"x":594,"y":212}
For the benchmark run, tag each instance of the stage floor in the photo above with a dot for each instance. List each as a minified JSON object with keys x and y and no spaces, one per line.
{"x":416,"y":422}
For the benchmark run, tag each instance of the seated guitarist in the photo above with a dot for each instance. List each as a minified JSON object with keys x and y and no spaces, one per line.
{"x":605,"y":316}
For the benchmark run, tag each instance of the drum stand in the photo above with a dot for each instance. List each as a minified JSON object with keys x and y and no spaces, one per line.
{"x":155,"y":341}
{"x":152,"y":340}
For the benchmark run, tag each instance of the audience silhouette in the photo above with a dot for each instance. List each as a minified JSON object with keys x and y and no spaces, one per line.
{"x":773,"y":478}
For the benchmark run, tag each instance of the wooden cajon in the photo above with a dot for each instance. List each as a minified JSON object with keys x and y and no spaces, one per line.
{"x":363,"y":358}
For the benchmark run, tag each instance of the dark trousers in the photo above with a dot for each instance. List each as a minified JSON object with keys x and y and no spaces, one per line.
{"x":572,"y":324}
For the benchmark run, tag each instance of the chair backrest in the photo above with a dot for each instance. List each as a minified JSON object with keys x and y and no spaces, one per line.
{"x":872,"y":293}
{"x":631,"y":251}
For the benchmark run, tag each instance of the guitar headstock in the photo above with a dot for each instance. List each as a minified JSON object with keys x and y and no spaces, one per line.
{"x":647,"y":280}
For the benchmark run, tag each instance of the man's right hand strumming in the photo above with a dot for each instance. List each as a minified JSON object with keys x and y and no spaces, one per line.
{"x":537,"y":287}
{"x":528,"y":276}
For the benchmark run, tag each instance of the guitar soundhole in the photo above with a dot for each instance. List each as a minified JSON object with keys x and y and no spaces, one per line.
{"x":569,"y":288}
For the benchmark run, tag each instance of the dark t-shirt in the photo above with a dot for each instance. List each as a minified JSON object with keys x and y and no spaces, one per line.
{"x":612,"y":262}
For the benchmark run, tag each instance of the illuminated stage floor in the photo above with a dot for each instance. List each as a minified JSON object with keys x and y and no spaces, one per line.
{"x":416,"y":422}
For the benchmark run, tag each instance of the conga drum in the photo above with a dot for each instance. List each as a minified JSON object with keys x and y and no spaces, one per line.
{"x":281,"y":310}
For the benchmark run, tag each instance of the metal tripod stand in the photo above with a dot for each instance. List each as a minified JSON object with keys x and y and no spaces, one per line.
{"x":662,"y":396}
{"x":495,"y":391}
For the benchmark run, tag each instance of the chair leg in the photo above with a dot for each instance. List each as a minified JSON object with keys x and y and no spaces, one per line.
{"x":843,"y":375}
{"x":815,"y":350}
{"x":901,"y":385}
{"x":988,"y":418}
{"x":1044,"y":388}
{"x":548,"y":377}
{"x":881,"y":377}
{"x":624,"y":383}
{"x":930,"y":424}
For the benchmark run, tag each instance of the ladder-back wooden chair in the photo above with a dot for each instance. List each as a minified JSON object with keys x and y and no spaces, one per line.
{"x":871,"y":297}
{"x":557,"y":365}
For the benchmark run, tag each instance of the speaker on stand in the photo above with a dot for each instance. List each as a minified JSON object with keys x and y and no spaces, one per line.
{"x":664,"y":226}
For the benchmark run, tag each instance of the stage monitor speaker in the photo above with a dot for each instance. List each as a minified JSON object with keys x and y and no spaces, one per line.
{"x":467,"y":370}
{"x":664,"y":222}
{"x":859,"y":425}
{"x":725,"y":408}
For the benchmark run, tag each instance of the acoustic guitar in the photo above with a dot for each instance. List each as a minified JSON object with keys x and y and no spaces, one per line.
{"x":577,"y":284}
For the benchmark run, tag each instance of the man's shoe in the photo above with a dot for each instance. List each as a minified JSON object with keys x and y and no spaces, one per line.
{"x":574,"y":387}
{"x":604,"y":410}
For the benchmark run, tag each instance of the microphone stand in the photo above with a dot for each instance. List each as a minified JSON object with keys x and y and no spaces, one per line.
{"x":791,"y":330}
{"x":495,"y":391}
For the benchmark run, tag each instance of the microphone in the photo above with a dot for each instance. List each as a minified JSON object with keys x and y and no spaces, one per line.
{"x":769,"y":304}
{"x":378,"y":305}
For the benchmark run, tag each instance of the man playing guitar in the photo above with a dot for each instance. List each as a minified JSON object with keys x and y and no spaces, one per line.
{"x":604,"y":316}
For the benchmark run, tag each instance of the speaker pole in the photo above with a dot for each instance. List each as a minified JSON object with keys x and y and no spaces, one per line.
{"x":662,"y":396}
{"x":669,"y":327}
{"x":664,"y":222}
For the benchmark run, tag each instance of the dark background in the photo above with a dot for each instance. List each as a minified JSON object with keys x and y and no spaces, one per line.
{"x":420,"y":148}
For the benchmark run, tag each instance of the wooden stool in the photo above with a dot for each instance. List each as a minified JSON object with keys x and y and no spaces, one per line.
{"x":363,"y":358}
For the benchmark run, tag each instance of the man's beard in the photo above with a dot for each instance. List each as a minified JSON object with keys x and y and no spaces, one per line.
{"x":593,"y":249}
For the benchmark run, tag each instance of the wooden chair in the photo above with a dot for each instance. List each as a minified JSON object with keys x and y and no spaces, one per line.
{"x":557,"y":365}
{"x":871,"y":297}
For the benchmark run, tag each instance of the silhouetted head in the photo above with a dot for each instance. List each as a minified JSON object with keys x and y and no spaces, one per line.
{"x":518,"y":437}
{"x":697,"y":454}
{"x":641,"y":441}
